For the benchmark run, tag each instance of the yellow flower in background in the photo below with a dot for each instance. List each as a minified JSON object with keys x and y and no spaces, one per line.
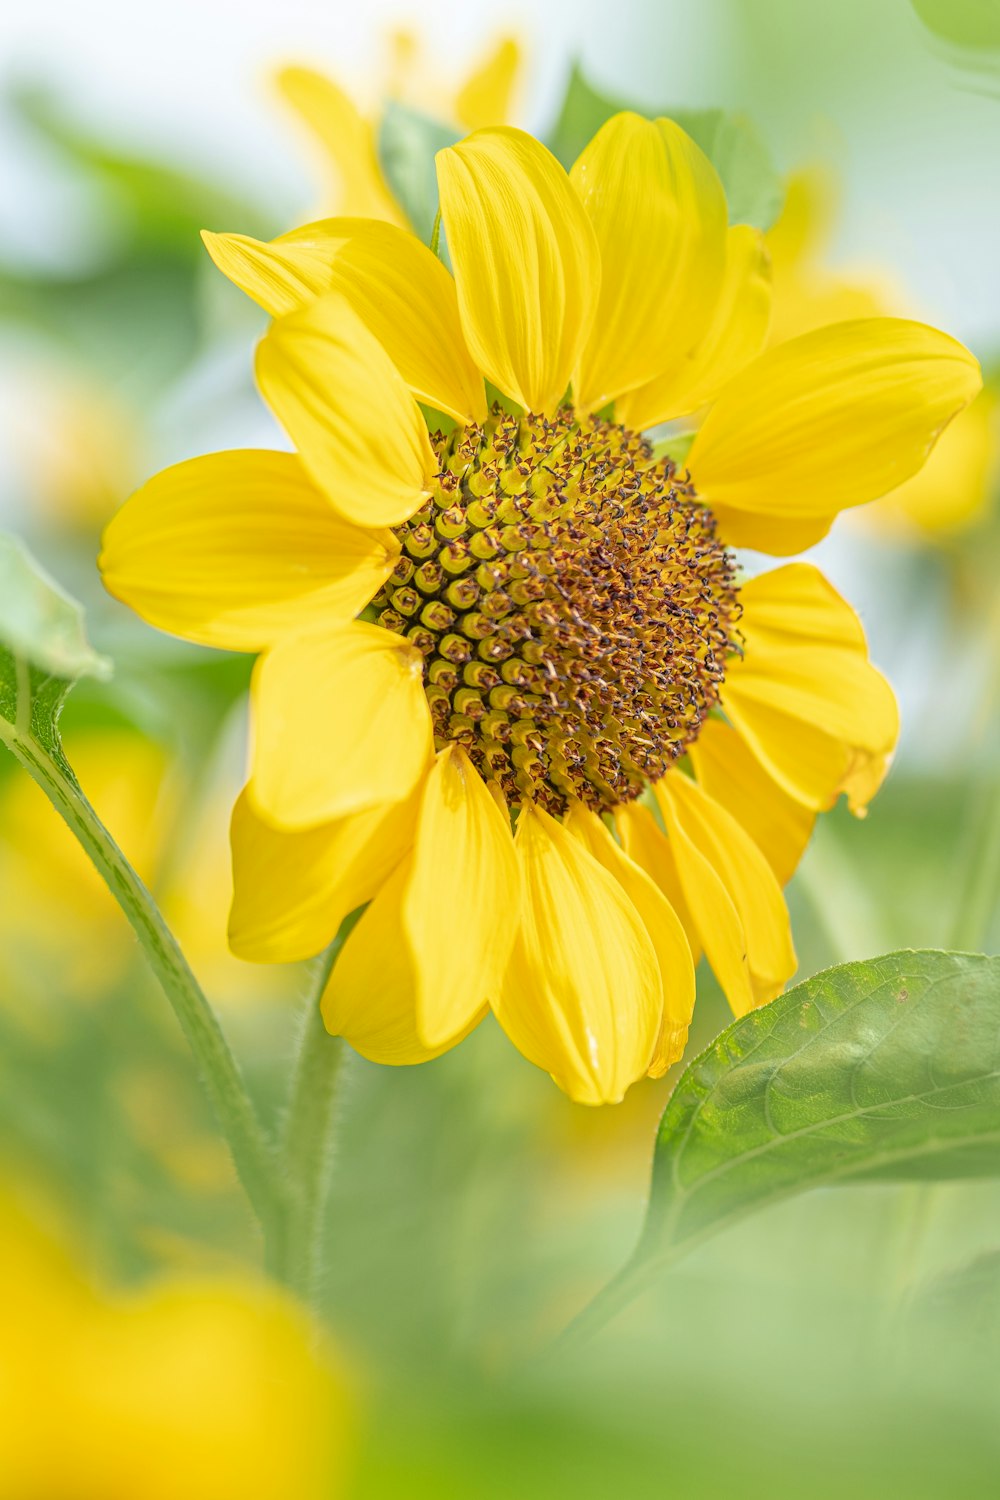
{"x":954,"y":488}
{"x":75,"y":443}
{"x":62,"y":935}
{"x":347,"y":137}
{"x":554,"y":631}
{"x":209,"y":1389}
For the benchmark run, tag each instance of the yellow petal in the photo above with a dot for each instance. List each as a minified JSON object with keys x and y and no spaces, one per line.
{"x":346,"y":142}
{"x":804,"y":695}
{"x":400,"y":291}
{"x":648,"y":847}
{"x":832,"y":419}
{"x":347,"y":410}
{"x":955,"y":486}
{"x":461,"y":904}
{"x":292,"y":890}
{"x":371,"y":997}
{"x":663,"y":926}
{"x":732,"y":775}
{"x":237,"y":549}
{"x":771,"y":534}
{"x":582,"y":996}
{"x":659,"y":214}
{"x":485,"y":97}
{"x":734,"y":336}
{"x":340,"y":724}
{"x":725,"y":876}
{"x":526,"y":262}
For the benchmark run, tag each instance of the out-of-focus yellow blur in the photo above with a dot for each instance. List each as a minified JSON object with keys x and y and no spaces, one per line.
{"x":210,"y":1389}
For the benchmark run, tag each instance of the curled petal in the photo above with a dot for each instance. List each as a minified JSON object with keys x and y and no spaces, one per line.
{"x":582,"y":996}
{"x":292,"y":889}
{"x":370,"y":999}
{"x":731,"y":892}
{"x":804,"y":695}
{"x":665,"y":931}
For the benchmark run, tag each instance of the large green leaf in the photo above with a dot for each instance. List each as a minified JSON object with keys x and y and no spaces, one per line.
{"x":882,"y":1070}
{"x":730,"y":141}
{"x":407,"y":144}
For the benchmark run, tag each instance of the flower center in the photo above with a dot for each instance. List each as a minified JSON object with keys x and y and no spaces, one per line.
{"x":573,"y":604}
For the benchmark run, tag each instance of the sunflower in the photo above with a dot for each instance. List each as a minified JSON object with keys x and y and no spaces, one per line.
{"x":513,"y":698}
{"x":346,"y":139}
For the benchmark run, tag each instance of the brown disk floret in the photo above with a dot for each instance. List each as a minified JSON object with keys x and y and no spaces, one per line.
{"x":573,"y":604}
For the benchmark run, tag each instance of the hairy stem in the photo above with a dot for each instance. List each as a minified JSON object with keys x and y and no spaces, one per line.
{"x":310,"y":1125}
{"x":252,"y":1153}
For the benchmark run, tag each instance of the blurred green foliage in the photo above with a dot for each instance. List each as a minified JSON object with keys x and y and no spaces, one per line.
{"x":134,"y":307}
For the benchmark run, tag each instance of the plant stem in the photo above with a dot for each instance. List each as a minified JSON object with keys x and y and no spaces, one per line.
{"x":310,"y":1123}
{"x":252,"y":1153}
{"x":623,"y":1288}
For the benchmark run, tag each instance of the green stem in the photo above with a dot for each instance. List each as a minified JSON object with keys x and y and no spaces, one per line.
{"x":251,"y":1151}
{"x":310,"y":1124}
{"x":623,"y":1288}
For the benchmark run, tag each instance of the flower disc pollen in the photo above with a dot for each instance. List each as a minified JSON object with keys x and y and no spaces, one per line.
{"x":572,"y":603}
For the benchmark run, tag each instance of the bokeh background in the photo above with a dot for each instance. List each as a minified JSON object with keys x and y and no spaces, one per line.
{"x":848,"y":1340}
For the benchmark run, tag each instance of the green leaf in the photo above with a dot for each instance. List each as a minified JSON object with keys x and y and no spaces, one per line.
{"x":882,"y":1070}
{"x":974,"y":24}
{"x":676,"y":446}
{"x":730,"y":141}
{"x":40,"y":625}
{"x":407,"y":144}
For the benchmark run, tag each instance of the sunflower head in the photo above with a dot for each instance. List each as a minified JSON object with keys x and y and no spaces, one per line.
{"x":549,"y":618}
{"x":572,"y":602}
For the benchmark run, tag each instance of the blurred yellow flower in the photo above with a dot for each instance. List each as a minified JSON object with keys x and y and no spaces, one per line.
{"x":208,"y":1389}
{"x":347,"y":137}
{"x":62,"y":934}
{"x":954,"y":488}
{"x":552,"y":617}
{"x":77,"y":445}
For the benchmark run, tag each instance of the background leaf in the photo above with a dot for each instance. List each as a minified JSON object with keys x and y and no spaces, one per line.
{"x":39,"y":622}
{"x":407,"y":144}
{"x":730,"y":141}
{"x":882,"y":1070}
{"x":966,"y":23}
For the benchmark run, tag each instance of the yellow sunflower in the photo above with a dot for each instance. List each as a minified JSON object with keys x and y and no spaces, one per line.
{"x":346,"y":138}
{"x":565,"y":750}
